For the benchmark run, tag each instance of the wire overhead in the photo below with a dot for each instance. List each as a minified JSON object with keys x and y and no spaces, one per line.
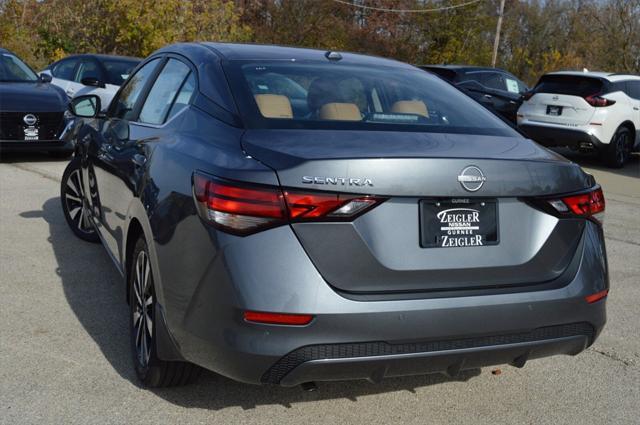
{"x":382,"y":9}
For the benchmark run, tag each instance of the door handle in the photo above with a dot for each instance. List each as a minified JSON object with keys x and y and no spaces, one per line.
{"x":138,"y":160}
{"x":488,"y":96}
{"x":635,"y":108}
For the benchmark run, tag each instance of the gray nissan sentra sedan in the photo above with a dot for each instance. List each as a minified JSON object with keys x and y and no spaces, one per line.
{"x":286,"y":216}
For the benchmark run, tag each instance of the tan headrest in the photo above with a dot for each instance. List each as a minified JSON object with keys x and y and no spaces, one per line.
{"x":416,"y":107}
{"x":274,"y":106}
{"x":340,"y":112}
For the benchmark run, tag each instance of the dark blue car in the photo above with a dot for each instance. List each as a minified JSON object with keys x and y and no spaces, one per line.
{"x":32,"y":111}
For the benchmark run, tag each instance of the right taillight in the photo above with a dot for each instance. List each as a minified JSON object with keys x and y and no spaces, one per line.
{"x":242,"y":209}
{"x":590,"y":204}
{"x":598,"y":101}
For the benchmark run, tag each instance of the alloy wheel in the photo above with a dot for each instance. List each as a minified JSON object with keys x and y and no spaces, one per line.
{"x":621,"y":148}
{"x":76,"y":205}
{"x":143,"y":308}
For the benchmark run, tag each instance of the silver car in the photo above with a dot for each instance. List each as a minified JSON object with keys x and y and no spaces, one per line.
{"x":285,"y":216}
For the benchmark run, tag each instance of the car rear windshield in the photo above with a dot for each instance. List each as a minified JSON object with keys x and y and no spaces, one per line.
{"x":12,"y":69}
{"x":329,"y":95}
{"x":572,"y":85}
{"x":118,"y":70}
{"x":447,"y":74}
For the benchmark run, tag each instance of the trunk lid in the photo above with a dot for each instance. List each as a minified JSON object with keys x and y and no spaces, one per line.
{"x":558,"y":109}
{"x":560,"y":99}
{"x":411,"y":163}
{"x":381,"y":251}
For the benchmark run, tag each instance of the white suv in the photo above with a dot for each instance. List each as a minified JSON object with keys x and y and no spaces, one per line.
{"x":586,"y":111}
{"x":101,"y":75}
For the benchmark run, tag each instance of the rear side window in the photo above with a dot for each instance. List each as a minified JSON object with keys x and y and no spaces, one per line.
{"x":184,"y":96}
{"x":572,"y":85}
{"x":64,"y":69}
{"x":163,"y":92}
{"x":633,"y":88}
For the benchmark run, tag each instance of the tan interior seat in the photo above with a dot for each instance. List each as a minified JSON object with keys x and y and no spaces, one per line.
{"x":340,"y":112}
{"x":274,"y":106}
{"x":416,"y":107}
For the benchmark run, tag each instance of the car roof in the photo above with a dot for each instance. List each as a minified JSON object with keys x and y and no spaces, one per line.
{"x":248,"y":51}
{"x":464,"y":68}
{"x":101,"y":56}
{"x":609,"y":76}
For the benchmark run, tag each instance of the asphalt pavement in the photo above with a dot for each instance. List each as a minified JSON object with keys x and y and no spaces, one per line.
{"x":64,"y":348}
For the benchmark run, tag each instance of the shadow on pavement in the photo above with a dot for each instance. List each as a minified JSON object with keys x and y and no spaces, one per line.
{"x":13,"y":157}
{"x":95,"y":292}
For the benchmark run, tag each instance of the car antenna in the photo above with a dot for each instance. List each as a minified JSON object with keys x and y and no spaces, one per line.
{"x":333,"y":56}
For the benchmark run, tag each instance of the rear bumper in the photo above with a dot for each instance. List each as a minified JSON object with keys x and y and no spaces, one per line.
{"x":552,"y":136}
{"x":350,"y":339}
{"x":373,"y":362}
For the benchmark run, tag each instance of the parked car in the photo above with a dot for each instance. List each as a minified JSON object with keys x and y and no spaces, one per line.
{"x":101,"y":75}
{"x":494,"y":88}
{"x":389,"y":226}
{"x":586,"y":111}
{"x":32,"y":111}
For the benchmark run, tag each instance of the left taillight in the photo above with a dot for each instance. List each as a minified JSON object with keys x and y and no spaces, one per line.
{"x":242,"y":209}
{"x":589,"y":205}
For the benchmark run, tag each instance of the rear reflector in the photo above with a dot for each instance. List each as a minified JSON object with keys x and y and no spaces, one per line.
{"x":242,"y":209}
{"x":597,"y":296}
{"x":277,"y":318}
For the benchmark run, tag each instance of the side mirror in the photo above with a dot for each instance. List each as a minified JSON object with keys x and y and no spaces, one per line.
{"x":87,"y":106}
{"x":45,"y":78}
{"x":92,"y":82}
{"x":527,"y":95}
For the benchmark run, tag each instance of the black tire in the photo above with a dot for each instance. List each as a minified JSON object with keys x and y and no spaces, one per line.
{"x":151,"y":371}
{"x":74,"y":203}
{"x":619,"y":150}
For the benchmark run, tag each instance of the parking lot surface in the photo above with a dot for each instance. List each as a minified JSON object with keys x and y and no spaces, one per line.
{"x":64,"y":341}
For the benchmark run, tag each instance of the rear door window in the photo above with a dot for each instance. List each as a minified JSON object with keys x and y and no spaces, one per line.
{"x":123,"y":105}
{"x":64,"y":69}
{"x":572,"y":85}
{"x":88,"y":68}
{"x":493,"y":80}
{"x":512,"y":85}
{"x":163,"y":92}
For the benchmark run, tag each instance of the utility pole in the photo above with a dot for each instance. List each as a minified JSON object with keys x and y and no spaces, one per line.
{"x":496,"y":41}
